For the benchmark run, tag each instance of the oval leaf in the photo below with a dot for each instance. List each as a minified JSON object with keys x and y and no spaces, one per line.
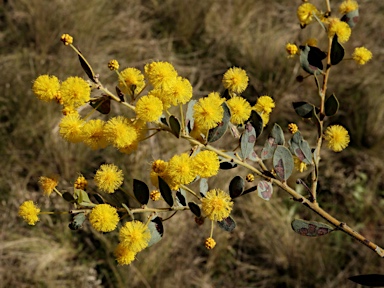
{"x":77,"y":221}
{"x":141,"y":191}
{"x":227,"y":224}
{"x":165,"y":192}
{"x":247,"y":141}
{"x":257,"y":122}
{"x":174,"y":123}
{"x":264,"y":190}
{"x":203,"y":186}
{"x":310,"y":59}
{"x":68,"y":197}
{"x":189,"y":120}
{"x":87,"y":68}
{"x":331,"y":105}
{"x":156,"y":229}
{"x":277,"y":134}
{"x":216,"y":133}
{"x":337,"y":51}
{"x":181,"y":197}
{"x":372,"y":280}
{"x":236,"y":187}
{"x":102,"y":104}
{"x":120,"y":94}
{"x":351,"y":18}
{"x":301,"y":148}
{"x":303,"y":109}
{"x":194,"y":208}
{"x":283,"y":162}
{"x":310,"y":228}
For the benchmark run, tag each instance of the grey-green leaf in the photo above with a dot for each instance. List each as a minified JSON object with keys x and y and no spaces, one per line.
{"x":257,"y":122}
{"x":174,"y":123}
{"x":310,"y":228}
{"x":264,"y":190}
{"x":156,"y":229}
{"x":247,"y":141}
{"x":227,"y":224}
{"x":283,"y":162}
{"x":87,"y":68}
{"x":303,"y":109}
{"x":189,"y":120}
{"x":194,"y":208}
{"x":77,"y":221}
{"x":337,"y":51}
{"x":216,"y":133}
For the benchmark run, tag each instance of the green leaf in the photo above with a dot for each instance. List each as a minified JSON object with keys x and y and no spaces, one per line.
{"x":247,"y":141}
{"x":283,"y":162}
{"x":276,"y":137}
{"x":120,"y":94}
{"x":141,"y":191}
{"x":257,"y":122}
{"x":102,"y":104}
{"x":82,"y":198}
{"x":166,"y":192}
{"x":277,"y":134}
{"x":337,"y":51}
{"x":236,"y":187}
{"x":303,"y":109}
{"x":163,"y":120}
{"x":181,"y":197}
{"x":77,"y":221}
{"x":194,"y":208}
{"x":301,"y":148}
{"x":310,"y":59}
{"x":68,"y":197}
{"x":87,"y":68}
{"x":216,"y":133}
{"x":156,"y":229}
{"x":175,"y":126}
{"x":227,"y":224}
{"x":310,"y":228}
{"x":331,"y":105}
{"x":372,"y":280}
{"x":351,"y":18}
{"x":189,"y":120}
{"x":264,"y":190}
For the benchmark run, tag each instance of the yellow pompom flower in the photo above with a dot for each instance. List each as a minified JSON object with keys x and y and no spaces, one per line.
{"x":104,"y":218}
{"x":81,"y":183}
{"x":155,"y":195}
{"x":94,"y":135}
{"x":181,"y":170}
{"x":305,"y":13}
{"x":68,"y":110}
{"x":158,"y":169}
{"x":124,"y":256}
{"x":240,"y":110}
{"x":361,"y":55}
{"x":206,"y":163}
{"x":48,"y":184}
{"x":71,"y":128}
{"x":66,"y":39}
{"x":108,"y":178}
{"x":75,"y":91}
{"x":149,"y":108}
{"x":264,"y":104}
{"x":235,"y":80}
{"x":113,"y":65}
{"x":348,"y":6}
{"x":210,"y":243}
{"x":160,"y":74}
{"x":337,"y":137}
{"x":292,"y":128}
{"x":120,"y":132}
{"x":265,"y":118}
{"x":340,"y":28}
{"x":46,"y":87}
{"x":299,"y":166}
{"x":179,"y":91}
{"x":134,"y":235}
{"x":131,"y":81}
{"x":29,"y":212}
{"x":216,"y":205}
{"x":208,"y":111}
{"x":291,"y":49}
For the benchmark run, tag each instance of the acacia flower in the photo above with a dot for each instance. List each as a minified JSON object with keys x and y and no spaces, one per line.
{"x":179,"y":92}
{"x":75,"y":91}
{"x":348,"y":6}
{"x":292,"y":127}
{"x":131,"y":81}
{"x":158,"y":169}
{"x":81,"y":183}
{"x":109,"y":177}
{"x":311,"y":42}
{"x":160,"y":74}
{"x":340,"y":28}
{"x":71,"y":127}
{"x":209,"y":243}
{"x":240,"y":110}
{"x":235,"y":80}
{"x":29,"y":212}
{"x":181,"y":170}
{"x":104,"y":218}
{"x":113,"y":65}
{"x":216,"y":205}
{"x":48,"y":184}
{"x":155,"y":195}
{"x":291,"y":49}
{"x":299,"y":165}
{"x":208,"y":111}
{"x":305,"y":13}
{"x":361,"y":55}
{"x":149,"y":108}
{"x":46,"y":87}
{"x":134,"y":235}
{"x":206,"y":163}
{"x":124,"y":256}
{"x":120,"y":132}
{"x":264,"y":104}
{"x":250,"y":178}
{"x":94,"y":135}
{"x":337,"y":137}
{"x":66,"y":39}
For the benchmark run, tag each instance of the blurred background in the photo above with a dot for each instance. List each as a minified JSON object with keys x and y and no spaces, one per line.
{"x":202,"y":39}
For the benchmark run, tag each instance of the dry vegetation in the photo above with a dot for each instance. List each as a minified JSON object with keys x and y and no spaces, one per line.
{"x":202,"y":39}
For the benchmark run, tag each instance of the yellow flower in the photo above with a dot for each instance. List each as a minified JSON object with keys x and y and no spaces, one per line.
{"x":81,"y":183}
{"x":158,"y":169}
{"x":46,"y":87}
{"x":216,"y":205}
{"x":108,"y":178}
{"x":68,"y":110}
{"x":337,"y":137}
{"x":348,"y":6}
{"x":291,"y":49}
{"x":311,"y":42}
{"x":104,"y":218}
{"x":235,"y":80}
{"x":299,"y":166}
{"x":305,"y":13}
{"x":134,"y":235}
{"x":340,"y":28}
{"x":265,"y":118}
{"x":240,"y":110}
{"x":181,"y":170}
{"x":75,"y":92}
{"x":250,"y":178}
{"x":292,"y":127}
{"x":208,"y":111}
{"x":131,"y":81}
{"x":124,"y":256}
{"x":210,"y":243}
{"x":71,"y":127}
{"x":264,"y":104}
{"x":113,"y":65}
{"x":206,"y":163}
{"x":160,"y":74}
{"x":66,"y":39}
{"x":120,"y":132}
{"x":48,"y":184}
{"x":179,"y":91}
{"x":29,"y":212}
{"x":361,"y":55}
{"x":149,"y":108}
{"x":155,"y":195}
{"x":94,"y":135}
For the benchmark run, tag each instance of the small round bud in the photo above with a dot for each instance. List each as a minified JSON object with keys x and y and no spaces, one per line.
{"x":199,"y":220}
{"x":291,"y":49}
{"x":81,"y":183}
{"x":66,"y":39}
{"x":300,"y":78}
{"x":250,"y":178}
{"x":209,"y":243}
{"x":113,"y":65}
{"x":292,"y":127}
{"x":155,"y":195}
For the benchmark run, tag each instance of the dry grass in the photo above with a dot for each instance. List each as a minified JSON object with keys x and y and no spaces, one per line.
{"x":202,"y":39}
